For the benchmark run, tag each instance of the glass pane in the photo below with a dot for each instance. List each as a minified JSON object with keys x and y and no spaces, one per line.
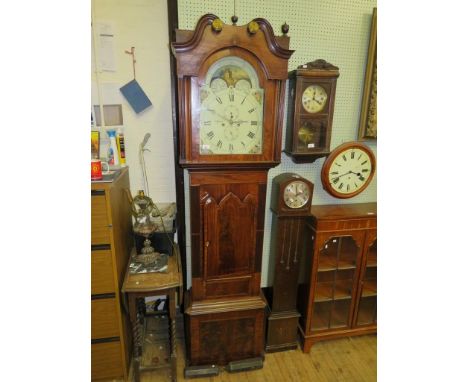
{"x":335,"y":280}
{"x":312,"y":135}
{"x":367,"y":310}
{"x":367,"y":313}
{"x":321,"y":316}
{"x":340,"y":313}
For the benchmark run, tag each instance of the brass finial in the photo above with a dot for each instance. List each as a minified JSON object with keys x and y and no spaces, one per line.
{"x":253,"y":27}
{"x":285,"y":28}
{"x":217,"y":25}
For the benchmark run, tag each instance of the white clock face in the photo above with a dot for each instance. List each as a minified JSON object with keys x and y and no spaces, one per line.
{"x":296,"y":194}
{"x":231,"y":110}
{"x":314,"y":98}
{"x":350,"y":171}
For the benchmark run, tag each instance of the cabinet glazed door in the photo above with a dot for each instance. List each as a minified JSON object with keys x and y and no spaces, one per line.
{"x":367,"y":304}
{"x":337,"y":266}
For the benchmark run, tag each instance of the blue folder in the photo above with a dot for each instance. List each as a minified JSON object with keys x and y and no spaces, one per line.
{"x":135,"y":96}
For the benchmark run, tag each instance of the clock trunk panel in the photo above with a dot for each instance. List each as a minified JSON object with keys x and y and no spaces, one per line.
{"x":230,"y":224}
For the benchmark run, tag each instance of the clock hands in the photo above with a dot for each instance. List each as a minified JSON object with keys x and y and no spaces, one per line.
{"x":347,"y":173}
{"x":219,"y":115}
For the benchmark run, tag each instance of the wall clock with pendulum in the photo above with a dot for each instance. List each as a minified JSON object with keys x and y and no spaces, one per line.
{"x":311,"y":99}
{"x":231,"y":85}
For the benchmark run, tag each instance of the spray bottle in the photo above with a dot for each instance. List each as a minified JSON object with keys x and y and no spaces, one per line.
{"x":121,"y":147}
{"x":113,"y":157}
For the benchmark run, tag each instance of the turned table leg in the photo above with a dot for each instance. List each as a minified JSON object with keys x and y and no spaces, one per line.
{"x":172,"y":333}
{"x":135,"y":318}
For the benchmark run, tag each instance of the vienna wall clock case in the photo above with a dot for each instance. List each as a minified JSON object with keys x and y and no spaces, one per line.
{"x":231,"y":87}
{"x":311,"y":100}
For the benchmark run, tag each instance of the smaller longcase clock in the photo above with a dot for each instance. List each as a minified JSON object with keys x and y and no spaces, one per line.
{"x":348,"y":170}
{"x":291,"y":197}
{"x":310,"y":117}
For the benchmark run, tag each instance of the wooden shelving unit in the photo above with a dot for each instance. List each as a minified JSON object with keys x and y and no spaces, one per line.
{"x":338,"y":294}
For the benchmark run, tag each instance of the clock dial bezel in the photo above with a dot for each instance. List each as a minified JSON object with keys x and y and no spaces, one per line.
{"x":315,"y":101}
{"x":286,"y":200}
{"x":332,"y":178}
{"x":231,"y":119}
{"x":269,"y":125}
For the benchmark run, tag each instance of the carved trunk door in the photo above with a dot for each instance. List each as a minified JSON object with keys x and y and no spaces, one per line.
{"x":229,"y":243}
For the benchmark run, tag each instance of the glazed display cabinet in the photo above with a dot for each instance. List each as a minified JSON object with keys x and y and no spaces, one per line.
{"x":337,"y":293}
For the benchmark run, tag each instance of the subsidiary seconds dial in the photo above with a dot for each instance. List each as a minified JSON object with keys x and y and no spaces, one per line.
{"x":348,"y":170}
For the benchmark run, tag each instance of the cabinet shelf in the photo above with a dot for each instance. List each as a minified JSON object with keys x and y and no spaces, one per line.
{"x":328,"y":263}
{"x":369,"y":288}
{"x":325,"y":292}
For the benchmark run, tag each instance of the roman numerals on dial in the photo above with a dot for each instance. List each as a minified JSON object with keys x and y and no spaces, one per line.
{"x":349,"y":171}
{"x":231,"y":121}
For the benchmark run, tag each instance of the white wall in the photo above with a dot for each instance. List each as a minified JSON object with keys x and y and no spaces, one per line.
{"x":142,"y":24}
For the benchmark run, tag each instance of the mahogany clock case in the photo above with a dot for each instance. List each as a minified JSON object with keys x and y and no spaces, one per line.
{"x":196,"y":52}
{"x":225,"y":308}
{"x":279,"y":184}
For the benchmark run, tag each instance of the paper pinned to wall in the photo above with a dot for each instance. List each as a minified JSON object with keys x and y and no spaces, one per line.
{"x":106,"y":41}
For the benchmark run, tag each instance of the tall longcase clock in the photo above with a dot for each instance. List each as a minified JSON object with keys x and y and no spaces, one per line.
{"x":231,"y":82}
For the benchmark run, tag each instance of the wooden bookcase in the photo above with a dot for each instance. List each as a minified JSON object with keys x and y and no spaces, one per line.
{"x":337,"y":294}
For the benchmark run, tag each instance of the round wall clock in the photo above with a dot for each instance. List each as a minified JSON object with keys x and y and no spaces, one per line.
{"x":348,"y":170}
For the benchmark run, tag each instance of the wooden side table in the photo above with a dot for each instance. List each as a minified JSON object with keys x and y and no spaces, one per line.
{"x":138,"y":286}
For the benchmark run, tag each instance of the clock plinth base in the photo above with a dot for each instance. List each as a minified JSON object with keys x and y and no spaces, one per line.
{"x":222,"y":331}
{"x":282,"y":331}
